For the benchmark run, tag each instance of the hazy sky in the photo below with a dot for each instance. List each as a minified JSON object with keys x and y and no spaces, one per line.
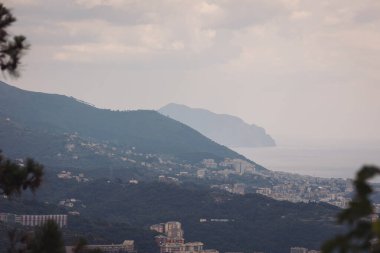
{"x":301,"y":69}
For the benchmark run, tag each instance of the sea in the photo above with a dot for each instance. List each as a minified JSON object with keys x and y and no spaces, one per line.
{"x":319,"y":160}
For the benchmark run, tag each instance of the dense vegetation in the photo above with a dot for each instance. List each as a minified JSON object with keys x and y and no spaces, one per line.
{"x":258,"y":223}
{"x":95,"y":231}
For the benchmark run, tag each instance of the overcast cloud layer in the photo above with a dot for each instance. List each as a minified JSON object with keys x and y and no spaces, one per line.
{"x":301,"y":69}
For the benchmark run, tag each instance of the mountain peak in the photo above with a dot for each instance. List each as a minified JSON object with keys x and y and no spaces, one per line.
{"x":223,"y":128}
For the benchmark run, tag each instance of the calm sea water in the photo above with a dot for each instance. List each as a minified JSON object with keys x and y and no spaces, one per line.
{"x":322,"y":161}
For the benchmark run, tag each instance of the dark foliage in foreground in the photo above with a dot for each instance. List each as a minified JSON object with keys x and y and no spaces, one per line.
{"x":12,"y":48}
{"x":47,"y":239}
{"x":364,"y":232}
{"x":14,"y":177}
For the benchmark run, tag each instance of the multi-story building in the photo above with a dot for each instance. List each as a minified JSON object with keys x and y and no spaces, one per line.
{"x":210,"y":163}
{"x":126,"y":247}
{"x":194,"y":247}
{"x":201,"y":173}
{"x":210,"y":251}
{"x":7,"y":217}
{"x":34,"y":220}
{"x":38,"y":220}
{"x":264,"y":191}
{"x":162,"y":239}
{"x":298,"y":250}
{"x":239,"y":165}
{"x":173,"y":229}
{"x":172,"y":248}
{"x":189,"y":247}
{"x":160,"y":228}
{"x":172,"y":241}
{"x":239,"y":189}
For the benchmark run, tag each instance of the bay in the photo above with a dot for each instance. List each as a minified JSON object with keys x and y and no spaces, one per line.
{"x":328,"y":161}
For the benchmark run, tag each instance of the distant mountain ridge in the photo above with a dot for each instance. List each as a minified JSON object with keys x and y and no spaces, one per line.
{"x":43,"y":119}
{"x":228,"y":130}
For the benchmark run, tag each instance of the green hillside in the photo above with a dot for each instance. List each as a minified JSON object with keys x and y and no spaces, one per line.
{"x":54,"y":115}
{"x":255,"y":222}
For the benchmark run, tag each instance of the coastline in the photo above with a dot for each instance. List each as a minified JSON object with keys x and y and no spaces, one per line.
{"x":315,"y":160}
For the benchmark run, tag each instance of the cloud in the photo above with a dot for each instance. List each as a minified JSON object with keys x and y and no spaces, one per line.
{"x":299,"y":15}
{"x":21,"y":2}
{"x":95,"y":3}
{"x":254,"y":50}
{"x":231,"y":31}
{"x":367,"y":15}
{"x":95,"y":52}
{"x":116,"y":41}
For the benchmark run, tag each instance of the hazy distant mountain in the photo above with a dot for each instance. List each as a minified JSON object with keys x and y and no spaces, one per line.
{"x":222,"y":128}
{"x":37,"y":124}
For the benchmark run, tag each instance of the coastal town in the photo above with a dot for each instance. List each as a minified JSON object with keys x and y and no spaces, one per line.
{"x":235,"y":176}
{"x":238,"y":175}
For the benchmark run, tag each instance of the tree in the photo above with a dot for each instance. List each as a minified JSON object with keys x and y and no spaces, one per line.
{"x":363,"y":229}
{"x":15,"y":177}
{"x":18,"y":241}
{"x":47,"y":239}
{"x":12,"y":48}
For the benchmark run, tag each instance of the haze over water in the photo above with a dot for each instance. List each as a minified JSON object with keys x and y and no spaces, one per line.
{"x":321,"y":160}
